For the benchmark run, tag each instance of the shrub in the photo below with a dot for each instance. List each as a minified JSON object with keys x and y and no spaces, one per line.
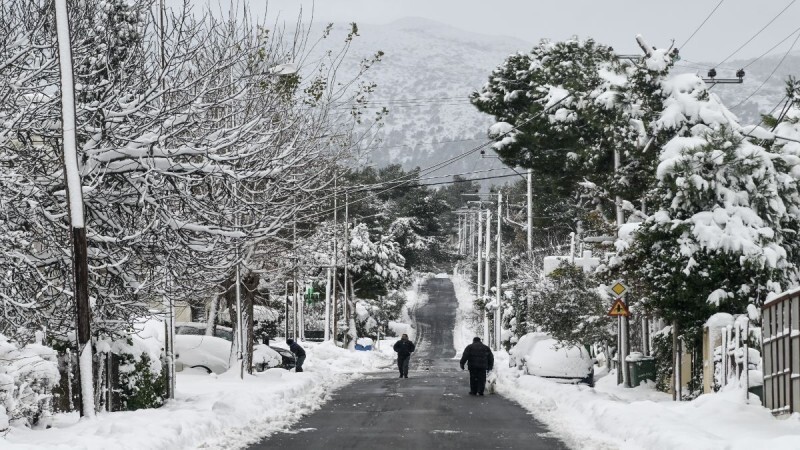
{"x":27,"y":377}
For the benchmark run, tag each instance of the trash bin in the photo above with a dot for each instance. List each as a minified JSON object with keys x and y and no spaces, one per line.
{"x":641,"y":368}
{"x":757,"y":390}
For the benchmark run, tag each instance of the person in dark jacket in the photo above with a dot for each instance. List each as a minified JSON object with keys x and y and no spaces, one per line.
{"x":480,"y":360}
{"x":299,"y":354}
{"x":404,"y":349}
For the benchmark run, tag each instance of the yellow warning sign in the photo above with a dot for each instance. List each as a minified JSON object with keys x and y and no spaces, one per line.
{"x":619,"y":309}
{"x":618,"y":288}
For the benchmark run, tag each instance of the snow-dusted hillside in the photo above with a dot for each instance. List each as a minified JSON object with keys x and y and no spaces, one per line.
{"x":430,"y":68}
{"x":428,"y":71}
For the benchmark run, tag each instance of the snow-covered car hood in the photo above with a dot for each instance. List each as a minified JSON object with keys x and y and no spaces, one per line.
{"x":210,"y":352}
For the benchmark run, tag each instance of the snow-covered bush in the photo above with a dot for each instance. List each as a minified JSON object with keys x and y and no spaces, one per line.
{"x":27,"y":377}
{"x":141,"y":381}
{"x":371,"y":314}
{"x":567,"y":305}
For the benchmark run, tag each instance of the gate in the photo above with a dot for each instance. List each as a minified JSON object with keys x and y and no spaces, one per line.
{"x":780,"y":327}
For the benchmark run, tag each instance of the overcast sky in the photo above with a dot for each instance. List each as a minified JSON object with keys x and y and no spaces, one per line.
{"x":614,"y":22}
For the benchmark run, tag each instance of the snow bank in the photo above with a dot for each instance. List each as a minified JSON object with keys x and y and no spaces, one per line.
{"x":212,"y":411}
{"x":414,"y":299}
{"x":609,"y":416}
{"x":464,"y":329}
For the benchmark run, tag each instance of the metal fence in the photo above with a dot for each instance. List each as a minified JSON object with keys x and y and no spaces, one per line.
{"x":780,"y":327}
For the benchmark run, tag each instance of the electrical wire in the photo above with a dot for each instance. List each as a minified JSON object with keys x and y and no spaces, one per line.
{"x":757,"y":33}
{"x":701,"y":25}
{"x":398,"y":182}
{"x":771,"y":49}
{"x":770,"y":75}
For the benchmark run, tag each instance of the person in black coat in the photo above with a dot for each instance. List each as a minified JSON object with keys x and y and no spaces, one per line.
{"x":299,"y":354}
{"x":404,"y":349}
{"x":480,"y":360}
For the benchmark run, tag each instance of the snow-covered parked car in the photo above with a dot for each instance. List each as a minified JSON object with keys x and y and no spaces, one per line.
{"x":213,"y":353}
{"x":540,"y":355}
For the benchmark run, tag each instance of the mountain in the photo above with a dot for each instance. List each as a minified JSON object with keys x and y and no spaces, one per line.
{"x":429,"y":69}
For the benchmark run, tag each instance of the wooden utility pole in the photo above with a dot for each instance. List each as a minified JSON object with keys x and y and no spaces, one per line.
{"x":80,"y":264}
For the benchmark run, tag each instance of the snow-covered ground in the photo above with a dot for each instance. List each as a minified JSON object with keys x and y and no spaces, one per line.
{"x":611,"y":417}
{"x":415,"y":298}
{"x":214,"y":411}
{"x":464,"y":330}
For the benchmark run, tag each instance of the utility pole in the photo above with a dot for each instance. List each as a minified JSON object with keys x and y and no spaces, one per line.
{"x":624,"y":347}
{"x":530,"y":213}
{"x":335,"y":254}
{"x":239,"y":322}
{"x":488,"y":278}
{"x":328,"y":280}
{"x":462,"y":234}
{"x":480,"y":259}
{"x":498,"y":329}
{"x":472,"y":234}
{"x":80,"y":265}
{"x":294,"y":277}
{"x":286,"y":309}
{"x":346,"y":255}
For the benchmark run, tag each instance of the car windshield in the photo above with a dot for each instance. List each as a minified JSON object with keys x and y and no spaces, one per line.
{"x":224,"y":334}
{"x":189,"y":330}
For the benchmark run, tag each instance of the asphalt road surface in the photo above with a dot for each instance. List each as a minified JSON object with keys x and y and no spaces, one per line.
{"x":431,"y":409}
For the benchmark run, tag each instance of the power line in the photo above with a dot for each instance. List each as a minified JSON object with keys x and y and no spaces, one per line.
{"x":770,"y":75}
{"x":701,"y":25}
{"x":772,"y":48}
{"x":411,"y":146}
{"x":757,"y":33}
{"x":465,"y":180}
{"x":410,"y":177}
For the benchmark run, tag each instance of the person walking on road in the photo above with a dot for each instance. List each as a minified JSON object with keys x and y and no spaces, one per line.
{"x":480,"y":360}
{"x":404,"y":349}
{"x":299,"y":354}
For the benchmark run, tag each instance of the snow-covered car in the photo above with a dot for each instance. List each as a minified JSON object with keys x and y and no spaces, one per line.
{"x":196,"y":350}
{"x":202,"y":352}
{"x":288,"y":359}
{"x":540,"y":355}
{"x":199,"y":328}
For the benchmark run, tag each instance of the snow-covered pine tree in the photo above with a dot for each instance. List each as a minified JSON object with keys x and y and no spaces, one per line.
{"x":722,"y":234}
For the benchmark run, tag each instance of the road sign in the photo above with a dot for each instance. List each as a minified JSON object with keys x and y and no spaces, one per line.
{"x":618,"y":288}
{"x":619,"y":309}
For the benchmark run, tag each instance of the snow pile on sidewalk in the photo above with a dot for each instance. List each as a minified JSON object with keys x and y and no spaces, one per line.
{"x":212,"y":411}
{"x":414,"y":299}
{"x":464,"y":330}
{"x":610,"y":416}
